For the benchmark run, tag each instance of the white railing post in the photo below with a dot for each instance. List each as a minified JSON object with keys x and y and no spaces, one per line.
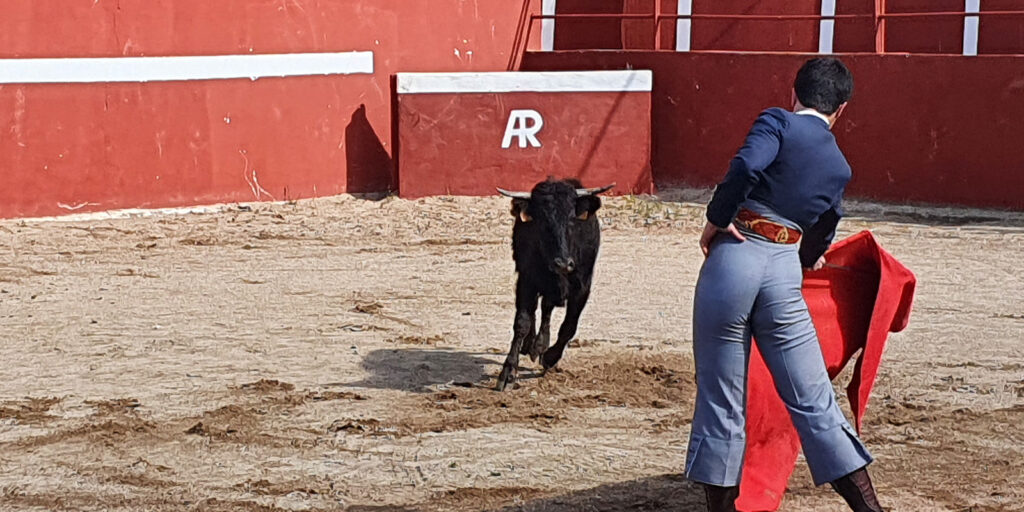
{"x":827,"y":28}
{"x":971,"y":27}
{"x":684,"y":7}
{"x":547,"y":26}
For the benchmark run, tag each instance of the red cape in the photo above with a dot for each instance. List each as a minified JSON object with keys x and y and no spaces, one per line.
{"x":856,"y":301}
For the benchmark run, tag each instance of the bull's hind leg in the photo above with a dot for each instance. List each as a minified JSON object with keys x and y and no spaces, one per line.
{"x":543,"y":338}
{"x":568,"y":329}
{"x":526,"y":312}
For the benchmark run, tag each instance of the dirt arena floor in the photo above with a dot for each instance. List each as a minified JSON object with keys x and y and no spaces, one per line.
{"x":337,"y":354}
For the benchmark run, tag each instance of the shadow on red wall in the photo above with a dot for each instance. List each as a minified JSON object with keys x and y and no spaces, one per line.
{"x":370,"y":168}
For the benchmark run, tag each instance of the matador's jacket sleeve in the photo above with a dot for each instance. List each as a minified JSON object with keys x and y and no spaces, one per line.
{"x":745,"y":169}
{"x":818,"y":238}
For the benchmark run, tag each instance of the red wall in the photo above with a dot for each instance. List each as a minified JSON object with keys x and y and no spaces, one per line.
{"x":755,"y":35}
{"x":576,"y":34}
{"x":928,"y":35}
{"x":919,"y":128}
{"x":451,"y":142}
{"x":614,"y":34}
{"x":177,"y":143}
{"x":104,"y":146}
{"x":856,"y":35}
{"x":1004,"y":35}
{"x":1001,"y":35}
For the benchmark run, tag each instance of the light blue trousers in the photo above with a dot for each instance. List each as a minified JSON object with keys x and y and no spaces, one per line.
{"x":753,"y":288}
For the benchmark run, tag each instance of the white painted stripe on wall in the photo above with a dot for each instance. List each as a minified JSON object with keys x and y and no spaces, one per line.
{"x":547,"y":26}
{"x":162,"y":69}
{"x":683,"y":26}
{"x":971,"y":27}
{"x":130,"y":213}
{"x":827,"y":28}
{"x":517,"y":81}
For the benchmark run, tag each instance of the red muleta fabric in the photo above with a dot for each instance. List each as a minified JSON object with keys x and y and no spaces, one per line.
{"x":855,"y":302}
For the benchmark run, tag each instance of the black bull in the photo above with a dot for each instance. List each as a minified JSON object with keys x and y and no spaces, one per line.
{"x":555,"y":241}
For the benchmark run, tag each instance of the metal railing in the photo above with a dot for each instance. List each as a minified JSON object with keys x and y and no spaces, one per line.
{"x":879,"y":19}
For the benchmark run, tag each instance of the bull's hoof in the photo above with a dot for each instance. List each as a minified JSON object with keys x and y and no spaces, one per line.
{"x":550,"y":359}
{"x":506,"y":377}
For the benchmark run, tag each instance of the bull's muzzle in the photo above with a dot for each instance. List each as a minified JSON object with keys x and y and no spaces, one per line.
{"x":565,"y":265}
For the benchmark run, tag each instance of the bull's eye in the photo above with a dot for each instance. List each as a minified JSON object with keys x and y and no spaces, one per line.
{"x":524,"y":217}
{"x":583,"y":216}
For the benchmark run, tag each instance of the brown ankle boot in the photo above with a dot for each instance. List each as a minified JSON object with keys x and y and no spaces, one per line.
{"x":858,"y":492}
{"x":721,"y":499}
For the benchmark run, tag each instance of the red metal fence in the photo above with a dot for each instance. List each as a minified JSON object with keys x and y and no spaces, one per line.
{"x":657,"y":17}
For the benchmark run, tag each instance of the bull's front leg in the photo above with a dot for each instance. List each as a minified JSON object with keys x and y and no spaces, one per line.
{"x":531,"y":338}
{"x":543,"y":338}
{"x":568,"y":329}
{"x":526,"y":310}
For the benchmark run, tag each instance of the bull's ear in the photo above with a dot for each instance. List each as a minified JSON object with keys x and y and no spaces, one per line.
{"x":586,"y":206}
{"x":519,"y":209}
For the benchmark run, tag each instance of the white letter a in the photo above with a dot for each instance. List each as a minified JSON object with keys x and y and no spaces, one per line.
{"x":517,"y":127}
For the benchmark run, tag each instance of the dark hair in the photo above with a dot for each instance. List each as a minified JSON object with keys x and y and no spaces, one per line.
{"x":823,"y":84}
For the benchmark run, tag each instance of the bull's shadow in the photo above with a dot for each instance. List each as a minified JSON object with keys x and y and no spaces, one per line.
{"x":663,"y":493}
{"x":417,"y":370}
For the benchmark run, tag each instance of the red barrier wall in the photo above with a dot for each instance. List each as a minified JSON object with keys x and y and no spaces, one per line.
{"x":467,"y":137}
{"x":103,"y":146}
{"x":919,"y":128}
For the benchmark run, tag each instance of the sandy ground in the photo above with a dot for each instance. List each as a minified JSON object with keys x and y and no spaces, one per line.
{"x":336,"y":354}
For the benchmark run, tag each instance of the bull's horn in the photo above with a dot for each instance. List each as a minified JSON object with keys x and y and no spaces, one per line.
{"x":583,"y":192}
{"x":514,"y":195}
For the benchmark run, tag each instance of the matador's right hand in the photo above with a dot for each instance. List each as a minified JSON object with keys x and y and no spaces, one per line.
{"x":711,"y":230}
